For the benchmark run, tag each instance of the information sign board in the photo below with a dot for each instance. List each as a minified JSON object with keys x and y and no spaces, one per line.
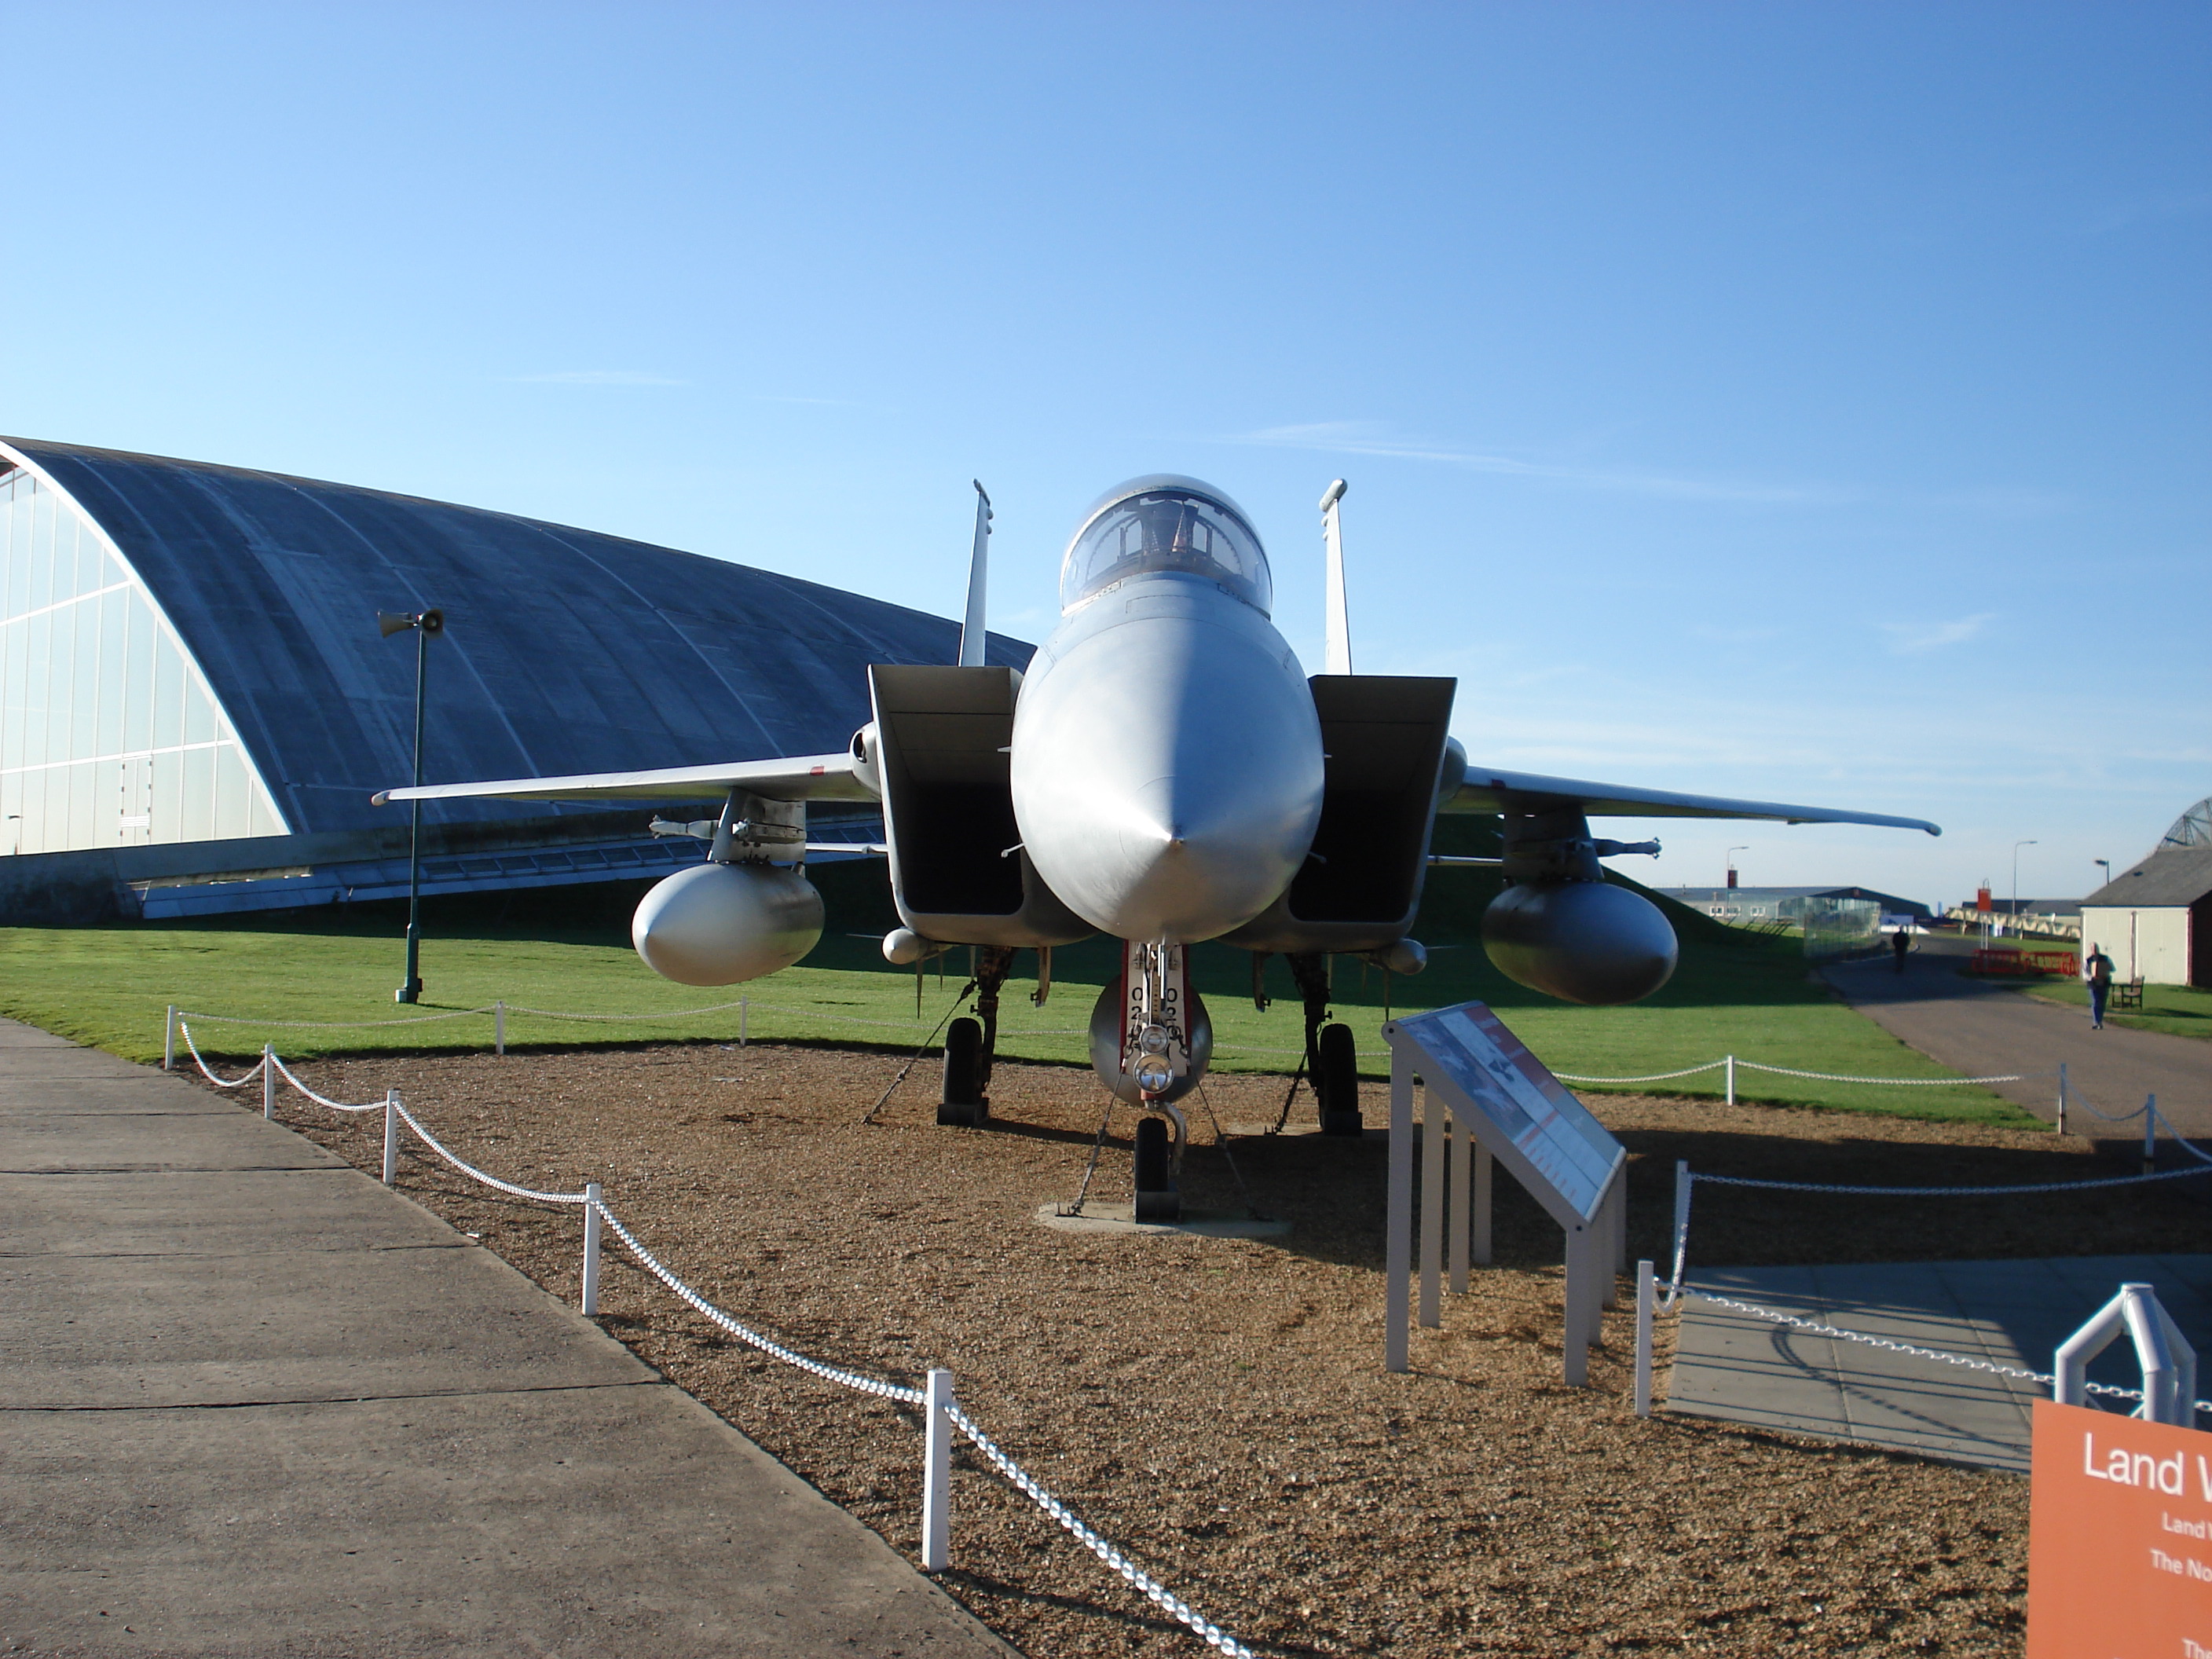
{"x":1515,"y":1111}
{"x":2119,"y":1550}
{"x":1565,"y":1148}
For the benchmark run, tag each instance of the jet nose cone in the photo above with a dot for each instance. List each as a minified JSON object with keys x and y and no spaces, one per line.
{"x":1167,"y":798}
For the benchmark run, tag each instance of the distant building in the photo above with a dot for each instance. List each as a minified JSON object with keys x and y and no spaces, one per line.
{"x":1746,"y":906}
{"x":195,"y":704}
{"x":2155,"y":921}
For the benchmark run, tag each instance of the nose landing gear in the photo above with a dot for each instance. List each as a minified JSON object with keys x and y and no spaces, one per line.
{"x":1157,"y":1196}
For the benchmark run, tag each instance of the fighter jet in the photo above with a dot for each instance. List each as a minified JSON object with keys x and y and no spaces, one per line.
{"x":1163,"y":772}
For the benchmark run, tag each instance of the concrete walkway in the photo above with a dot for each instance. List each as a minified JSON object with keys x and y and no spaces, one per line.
{"x":1746,"y":1370}
{"x":256,"y":1404}
{"x":1982,"y":1028}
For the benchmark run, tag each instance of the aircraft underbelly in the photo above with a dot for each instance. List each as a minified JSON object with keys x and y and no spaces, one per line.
{"x":1167,"y":770}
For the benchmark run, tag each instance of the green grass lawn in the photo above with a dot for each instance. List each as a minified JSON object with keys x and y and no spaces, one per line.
{"x":310,"y":986}
{"x":2182,"y":1010}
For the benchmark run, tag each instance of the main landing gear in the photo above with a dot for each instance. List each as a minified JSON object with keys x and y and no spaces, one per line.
{"x":1332,"y":1056}
{"x":971,"y":1045}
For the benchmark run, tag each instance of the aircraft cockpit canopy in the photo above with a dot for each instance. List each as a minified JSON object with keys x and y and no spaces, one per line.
{"x":1165,"y":524}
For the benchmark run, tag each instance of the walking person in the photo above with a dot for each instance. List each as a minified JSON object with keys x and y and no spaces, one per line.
{"x":1901,"y":941}
{"x":2096,"y":971}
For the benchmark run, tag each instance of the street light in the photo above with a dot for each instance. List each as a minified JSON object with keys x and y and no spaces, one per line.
{"x":424,"y":623}
{"x":2016,"y":846}
{"x":1730,"y":855}
{"x":2106,"y":865}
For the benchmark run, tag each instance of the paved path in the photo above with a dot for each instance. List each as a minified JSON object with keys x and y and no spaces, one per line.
{"x":256,"y":1404}
{"x":1980,"y":1029}
{"x":1746,"y":1370}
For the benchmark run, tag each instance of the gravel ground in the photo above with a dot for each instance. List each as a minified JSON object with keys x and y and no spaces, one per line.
{"x":1219,"y":1408}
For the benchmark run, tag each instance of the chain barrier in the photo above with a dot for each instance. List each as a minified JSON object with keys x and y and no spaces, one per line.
{"x":288,"y":1074}
{"x":1149,"y":1587}
{"x":1946,"y":1192}
{"x":471,"y":1169}
{"x":1211,"y":1634}
{"x":1815,"y":1328}
{"x":557,"y":1013}
{"x":1207,"y":1631}
{"x":1654,"y":1077}
{"x":331,"y":1024}
{"x":2180,"y":1139}
{"x":1905,"y":1082}
{"x":220,"y":1082}
{"x":2078,"y":1099}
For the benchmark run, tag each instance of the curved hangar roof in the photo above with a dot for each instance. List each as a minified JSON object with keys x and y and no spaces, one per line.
{"x":565,"y":650}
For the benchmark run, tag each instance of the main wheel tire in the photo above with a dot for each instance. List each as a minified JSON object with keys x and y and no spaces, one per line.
{"x":1156,"y":1199}
{"x":1337,"y":1082}
{"x":962,"y":1103}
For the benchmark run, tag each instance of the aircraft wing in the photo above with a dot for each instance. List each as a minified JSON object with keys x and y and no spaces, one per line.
{"x":1486,"y":789}
{"x":801,"y":777}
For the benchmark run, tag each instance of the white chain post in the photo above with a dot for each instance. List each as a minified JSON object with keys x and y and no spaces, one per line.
{"x":2062,"y":1096}
{"x":744,"y":1017}
{"x":591,"y":1297}
{"x":390,"y":1136}
{"x":268,"y":1080}
{"x":499,"y":1028}
{"x":1730,"y":1063}
{"x":1646,"y":1293}
{"x":937,"y":1475}
{"x":169,"y":1041}
{"x":1681,"y":1215}
{"x":2150,"y":1132}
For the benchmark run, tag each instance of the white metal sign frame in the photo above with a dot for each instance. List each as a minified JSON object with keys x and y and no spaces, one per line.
{"x":1503,"y":1100}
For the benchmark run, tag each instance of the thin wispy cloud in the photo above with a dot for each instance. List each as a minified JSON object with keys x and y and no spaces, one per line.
{"x":1360,"y":438}
{"x":1910,"y":639}
{"x":596,"y":377}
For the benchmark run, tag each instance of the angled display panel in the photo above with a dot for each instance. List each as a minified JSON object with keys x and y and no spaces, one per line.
{"x":1567,"y":1157}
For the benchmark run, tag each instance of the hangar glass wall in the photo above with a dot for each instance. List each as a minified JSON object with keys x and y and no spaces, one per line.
{"x":109,"y":735}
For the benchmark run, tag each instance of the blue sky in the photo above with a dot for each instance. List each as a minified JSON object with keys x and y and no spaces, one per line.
{"x":1808,"y":402}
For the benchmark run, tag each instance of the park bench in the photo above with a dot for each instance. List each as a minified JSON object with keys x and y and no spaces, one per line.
{"x":2127,"y":994}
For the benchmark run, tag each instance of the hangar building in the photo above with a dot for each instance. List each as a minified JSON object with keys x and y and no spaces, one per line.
{"x":2154,"y":921}
{"x":195,"y":704}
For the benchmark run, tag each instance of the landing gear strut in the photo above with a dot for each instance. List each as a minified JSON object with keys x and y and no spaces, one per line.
{"x":971,"y":1045}
{"x":1331,"y":1058}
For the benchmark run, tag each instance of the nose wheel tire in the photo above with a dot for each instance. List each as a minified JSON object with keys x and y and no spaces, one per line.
{"x":1336,"y":1081}
{"x":1157,"y":1197}
{"x":962,"y":1104}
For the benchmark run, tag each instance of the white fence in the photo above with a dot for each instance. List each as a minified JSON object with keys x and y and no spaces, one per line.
{"x":942,"y":1413}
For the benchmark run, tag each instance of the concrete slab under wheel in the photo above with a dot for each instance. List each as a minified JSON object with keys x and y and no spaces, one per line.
{"x":1742,"y":1369}
{"x":258,"y":1404}
{"x":1122,"y":1219}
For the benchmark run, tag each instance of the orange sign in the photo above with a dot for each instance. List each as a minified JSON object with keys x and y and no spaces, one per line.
{"x":2119,"y":1551}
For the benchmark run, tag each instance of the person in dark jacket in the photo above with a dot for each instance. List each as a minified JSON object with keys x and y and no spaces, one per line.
{"x":2096,"y":971}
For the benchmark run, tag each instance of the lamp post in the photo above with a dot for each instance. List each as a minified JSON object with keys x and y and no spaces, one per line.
{"x":2106,"y":865}
{"x":1731,"y":853}
{"x":423,"y":623}
{"x":2016,"y":846}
